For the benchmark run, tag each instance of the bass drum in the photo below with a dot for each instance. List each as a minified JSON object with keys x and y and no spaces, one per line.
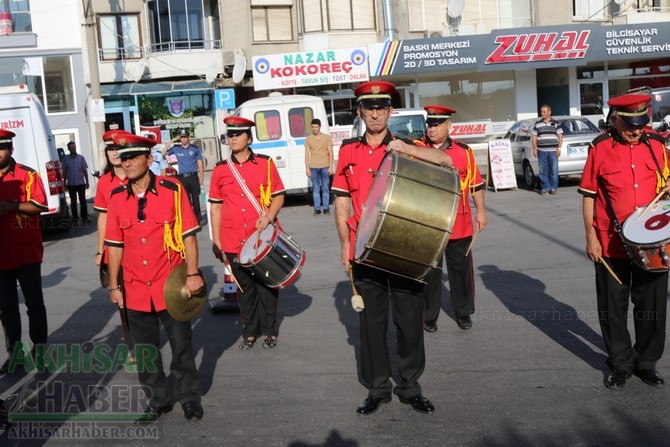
{"x":408,"y":216}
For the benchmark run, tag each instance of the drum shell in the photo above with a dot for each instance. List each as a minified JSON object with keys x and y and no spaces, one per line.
{"x":277,"y":261}
{"x":647,"y":245}
{"x":413,"y":219}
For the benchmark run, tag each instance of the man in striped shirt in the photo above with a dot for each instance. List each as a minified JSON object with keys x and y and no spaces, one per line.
{"x":547,"y":138}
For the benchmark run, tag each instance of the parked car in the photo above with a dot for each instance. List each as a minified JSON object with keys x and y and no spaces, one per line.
{"x":404,"y":123}
{"x":578,"y":132}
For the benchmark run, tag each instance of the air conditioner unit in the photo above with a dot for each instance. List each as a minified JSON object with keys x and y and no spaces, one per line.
{"x":434,"y":33}
{"x":232,"y":56}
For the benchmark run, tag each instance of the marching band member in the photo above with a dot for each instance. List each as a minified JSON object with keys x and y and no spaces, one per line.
{"x":246,"y":194}
{"x":150,"y":230}
{"x":457,"y":254}
{"x":359,"y":158}
{"x":626,"y":168}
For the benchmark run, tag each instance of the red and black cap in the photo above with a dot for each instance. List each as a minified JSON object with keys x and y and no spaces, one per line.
{"x":236,"y":125}
{"x":6,"y":137}
{"x":108,"y":138}
{"x":633,"y":108}
{"x":131,"y":145}
{"x":374,"y":94}
{"x":438,"y":114}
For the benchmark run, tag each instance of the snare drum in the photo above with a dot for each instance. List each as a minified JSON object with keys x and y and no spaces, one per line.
{"x":274,"y":257}
{"x":647,"y":239}
{"x":407,"y":217}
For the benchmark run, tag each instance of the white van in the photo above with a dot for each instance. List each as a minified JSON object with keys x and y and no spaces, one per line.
{"x":22,"y":113}
{"x":403,"y":123}
{"x":282,"y":123}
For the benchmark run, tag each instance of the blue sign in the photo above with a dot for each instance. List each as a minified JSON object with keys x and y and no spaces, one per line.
{"x":224,"y":98}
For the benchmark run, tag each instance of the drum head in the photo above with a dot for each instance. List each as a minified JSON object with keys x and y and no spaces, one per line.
{"x":257,"y":245}
{"x":653,"y":227}
{"x":372,"y":209}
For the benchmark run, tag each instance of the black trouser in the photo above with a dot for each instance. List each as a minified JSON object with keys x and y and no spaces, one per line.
{"x":30,"y":279}
{"x":192,"y":186}
{"x":78,"y":191}
{"x":461,"y":282}
{"x":258,"y":302}
{"x":144,"y":328}
{"x":648,"y":291}
{"x":379,"y":291}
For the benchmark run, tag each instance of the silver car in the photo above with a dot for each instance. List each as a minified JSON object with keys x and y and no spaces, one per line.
{"x":578,"y":132}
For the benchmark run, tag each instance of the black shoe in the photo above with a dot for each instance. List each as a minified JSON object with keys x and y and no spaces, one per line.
{"x":617,"y":379}
{"x":4,"y":368}
{"x":317,"y":212}
{"x":192,"y":410}
{"x":464,"y":323}
{"x":650,"y":376}
{"x":152,"y":413}
{"x":418,"y":403}
{"x":371,"y":404}
{"x":326,"y":211}
{"x":429,"y":326}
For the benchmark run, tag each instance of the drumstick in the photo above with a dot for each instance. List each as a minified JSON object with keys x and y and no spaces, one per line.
{"x":232,"y":275}
{"x":609,"y":269}
{"x":472,"y":242}
{"x":649,"y":206}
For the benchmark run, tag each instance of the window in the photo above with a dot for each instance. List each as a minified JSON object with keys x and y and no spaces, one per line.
{"x":119,"y":37}
{"x":591,"y":9}
{"x":271,"y":24}
{"x":425,"y":14}
{"x":58,"y":84}
{"x":312,"y":16}
{"x":343,"y":16}
{"x":178,"y":24}
{"x":20,"y":10}
{"x":268,"y":125}
{"x":300,"y":121}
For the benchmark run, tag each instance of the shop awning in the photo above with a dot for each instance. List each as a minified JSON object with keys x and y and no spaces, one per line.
{"x":149,"y":88}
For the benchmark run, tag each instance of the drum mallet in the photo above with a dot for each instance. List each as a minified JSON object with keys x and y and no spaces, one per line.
{"x":656,"y":199}
{"x":609,"y":269}
{"x":356,"y":300}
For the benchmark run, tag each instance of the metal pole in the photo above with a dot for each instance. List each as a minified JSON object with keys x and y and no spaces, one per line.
{"x":388,"y":19}
{"x":96,"y":129}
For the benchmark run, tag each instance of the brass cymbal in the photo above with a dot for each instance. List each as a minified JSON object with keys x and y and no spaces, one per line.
{"x":179,"y":305}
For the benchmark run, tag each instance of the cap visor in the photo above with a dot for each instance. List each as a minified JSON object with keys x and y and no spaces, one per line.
{"x":641,"y":120}
{"x":375,"y":102}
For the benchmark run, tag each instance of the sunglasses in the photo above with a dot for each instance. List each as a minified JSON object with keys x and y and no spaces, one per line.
{"x":141,"y":204}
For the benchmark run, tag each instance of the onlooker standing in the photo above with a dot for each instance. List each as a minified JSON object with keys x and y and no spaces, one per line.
{"x":459,"y":260}
{"x":149,"y":232}
{"x":22,"y":198}
{"x":626,"y":168}
{"x":158,"y":164}
{"x":191,"y":168}
{"x":319,"y":166}
{"x":547,"y":138}
{"x":75,"y":172}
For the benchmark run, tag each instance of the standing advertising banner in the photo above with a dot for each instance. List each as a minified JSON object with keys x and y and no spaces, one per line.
{"x":336,"y":66}
{"x":500,"y":173}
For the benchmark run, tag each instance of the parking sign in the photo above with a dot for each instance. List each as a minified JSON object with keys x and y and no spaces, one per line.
{"x":224,"y":98}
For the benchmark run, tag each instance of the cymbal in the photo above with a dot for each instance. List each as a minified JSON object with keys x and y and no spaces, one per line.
{"x":179,"y":305}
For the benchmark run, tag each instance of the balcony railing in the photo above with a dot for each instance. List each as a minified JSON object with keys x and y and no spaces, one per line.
{"x":132,"y":53}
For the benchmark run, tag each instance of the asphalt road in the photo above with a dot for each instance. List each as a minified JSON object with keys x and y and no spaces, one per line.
{"x":529,"y":372}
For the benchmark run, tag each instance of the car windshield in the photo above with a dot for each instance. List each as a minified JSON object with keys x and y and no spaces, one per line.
{"x":577,"y":126}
